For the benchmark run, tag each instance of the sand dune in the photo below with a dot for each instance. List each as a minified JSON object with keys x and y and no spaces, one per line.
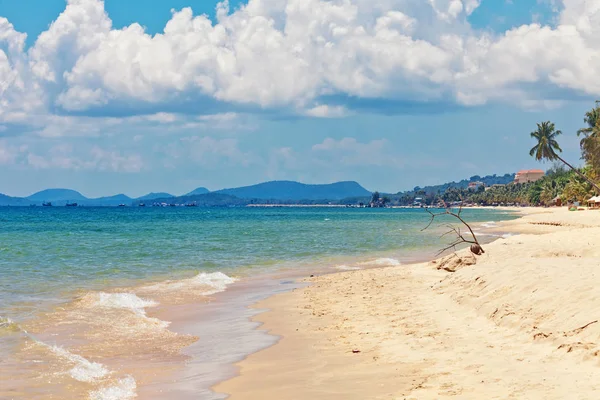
{"x":522,"y":323}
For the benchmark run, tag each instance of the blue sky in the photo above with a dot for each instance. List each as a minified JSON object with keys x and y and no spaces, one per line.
{"x":276,"y":89}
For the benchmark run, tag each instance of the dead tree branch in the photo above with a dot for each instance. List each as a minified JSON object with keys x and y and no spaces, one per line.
{"x":460,"y":238}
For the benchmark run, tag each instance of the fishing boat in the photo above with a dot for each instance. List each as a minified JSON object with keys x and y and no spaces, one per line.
{"x":121,"y":205}
{"x":141,"y":205}
{"x":48,"y":204}
{"x":71,"y":205}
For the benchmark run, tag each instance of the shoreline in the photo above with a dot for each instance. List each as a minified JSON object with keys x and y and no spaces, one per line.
{"x":163,"y":320}
{"x":347,"y":335}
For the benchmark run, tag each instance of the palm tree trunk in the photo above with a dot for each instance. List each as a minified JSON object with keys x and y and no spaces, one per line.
{"x":596,"y":188}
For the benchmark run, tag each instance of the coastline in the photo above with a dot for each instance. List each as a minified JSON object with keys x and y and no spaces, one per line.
{"x":178,"y":336}
{"x":521,"y":322}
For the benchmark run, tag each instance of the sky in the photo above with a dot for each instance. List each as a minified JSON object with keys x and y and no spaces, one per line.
{"x":140,"y":96}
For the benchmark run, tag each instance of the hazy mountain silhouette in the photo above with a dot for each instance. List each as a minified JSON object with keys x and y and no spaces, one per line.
{"x":289,"y":190}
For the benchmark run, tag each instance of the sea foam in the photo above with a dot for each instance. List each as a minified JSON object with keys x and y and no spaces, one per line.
{"x":489,"y":224}
{"x":391,"y":262}
{"x":217,"y":280}
{"x":124,"y":300}
{"x":346,"y":268}
{"x":84,"y":369}
{"x":382,"y":262}
{"x":125,"y":389}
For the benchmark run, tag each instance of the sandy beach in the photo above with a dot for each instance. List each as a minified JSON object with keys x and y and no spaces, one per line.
{"x":522,"y":321}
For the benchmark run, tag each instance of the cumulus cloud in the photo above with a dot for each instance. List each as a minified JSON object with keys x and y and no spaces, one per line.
{"x":349,"y":151}
{"x":209,"y":152}
{"x":65,"y":156}
{"x":275,"y":54}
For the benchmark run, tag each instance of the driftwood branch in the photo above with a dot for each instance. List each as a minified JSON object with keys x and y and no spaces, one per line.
{"x":452,"y":230}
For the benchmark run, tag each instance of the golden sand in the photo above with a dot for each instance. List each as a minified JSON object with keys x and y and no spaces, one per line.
{"x":522,"y":323}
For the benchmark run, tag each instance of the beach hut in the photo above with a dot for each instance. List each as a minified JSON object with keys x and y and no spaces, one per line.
{"x":594,"y":202}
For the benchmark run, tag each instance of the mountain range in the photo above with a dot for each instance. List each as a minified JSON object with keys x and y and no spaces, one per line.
{"x":276,"y":191}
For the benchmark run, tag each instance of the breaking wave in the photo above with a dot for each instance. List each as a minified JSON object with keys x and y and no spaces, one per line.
{"x":8,"y":325}
{"x":124,"y":300}
{"x":125,"y":389}
{"x":217,"y":280}
{"x":489,"y":224}
{"x":204,"y":284}
{"x":84,"y":369}
{"x":346,"y":268}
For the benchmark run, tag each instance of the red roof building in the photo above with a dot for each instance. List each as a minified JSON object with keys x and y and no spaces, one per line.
{"x":529,"y":175}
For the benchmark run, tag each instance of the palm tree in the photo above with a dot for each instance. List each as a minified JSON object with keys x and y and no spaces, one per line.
{"x":547,"y":147}
{"x":590,"y":142}
{"x":591,"y":118}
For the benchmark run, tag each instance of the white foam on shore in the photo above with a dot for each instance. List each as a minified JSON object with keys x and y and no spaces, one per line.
{"x":382,"y":262}
{"x":489,"y":224}
{"x":346,"y":268}
{"x":124,"y":300}
{"x":125,"y":389}
{"x":391,"y":262}
{"x":217,"y":280}
{"x":7,"y":323}
{"x":84,"y":369}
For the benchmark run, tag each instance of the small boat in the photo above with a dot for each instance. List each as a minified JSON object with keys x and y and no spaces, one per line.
{"x":71,"y":205}
{"x":141,"y":205}
{"x":121,"y":205}
{"x":48,"y":204}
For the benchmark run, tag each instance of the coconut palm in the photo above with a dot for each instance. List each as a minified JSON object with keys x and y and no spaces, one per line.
{"x":547,"y":148}
{"x":590,"y":142}
{"x":591,"y":119}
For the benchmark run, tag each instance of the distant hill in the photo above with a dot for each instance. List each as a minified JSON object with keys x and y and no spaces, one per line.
{"x":108,"y":201}
{"x":14,"y":201}
{"x":288,"y":190}
{"x":153,"y":196}
{"x":206,"y":200}
{"x":57,"y":195}
{"x":200,"y":190}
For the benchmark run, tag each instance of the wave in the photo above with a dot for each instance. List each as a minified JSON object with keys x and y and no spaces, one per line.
{"x":489,"y":224}
{"x":217,"y":280}
{"x":125,"y":389}
{"x":8,"y":325}
{"x":391,"y":262}
{"x":124,"y":300}
{"x":346,"y":268}
{"x":84,"y":369}
{"x":204,"y":284}
{"x":382,"y":262}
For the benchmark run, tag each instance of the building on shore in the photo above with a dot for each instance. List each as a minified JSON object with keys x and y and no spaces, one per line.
{"x":529,"y":175}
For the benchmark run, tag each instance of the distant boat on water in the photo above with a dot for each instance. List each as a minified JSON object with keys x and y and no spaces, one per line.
{"x":141,"y":205}
{"x":121,"y":205}
{"x":71,"y":205}
{"x":48,"y":204}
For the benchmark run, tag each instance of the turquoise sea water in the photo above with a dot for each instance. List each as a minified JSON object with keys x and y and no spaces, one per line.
{"x":47,"y":254}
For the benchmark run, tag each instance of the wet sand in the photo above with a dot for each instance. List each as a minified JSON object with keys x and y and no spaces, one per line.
{"x":520,"y":323}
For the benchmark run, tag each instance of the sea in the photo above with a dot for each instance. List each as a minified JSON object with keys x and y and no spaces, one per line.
{"x":141,"y":302}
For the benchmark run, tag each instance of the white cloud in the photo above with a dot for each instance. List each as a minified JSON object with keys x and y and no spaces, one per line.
{"x":325,"y":111}
{"x":211,"y":152}
{"x":65,"y":156}
{"x":8,"y":154}
{"x":349,"y":151}
{"x":290,"y":53}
